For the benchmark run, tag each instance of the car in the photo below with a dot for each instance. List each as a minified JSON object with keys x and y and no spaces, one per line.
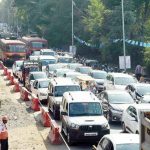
{"x":73,"y":74}
{"x":32,"y":77}
{"x":82,"y":117}
{"x":84,"y":69}
{"x":122,"y":141}
{"x":145,"y":98}
{"x":92,"y":63}
{"x":16,"y":67}
{"x":138,"y":90}
{"x":118,"y":81}
{"x":73,"y":66}
{"x":51,"y":67}
{"x":48,"y":52}
{"x":65,"y":59}
{"x":57,"y":87}
{"x":100,"y":79}
{"x":39,"y":88}
{"x":61,"y":72}
{"x":114,"y":102}
{"x":34,"y":56}
{"x":45,"y":60}
{"x":130,"y":117}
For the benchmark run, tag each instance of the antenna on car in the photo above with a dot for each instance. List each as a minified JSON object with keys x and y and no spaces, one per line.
{"x":71,"y":96}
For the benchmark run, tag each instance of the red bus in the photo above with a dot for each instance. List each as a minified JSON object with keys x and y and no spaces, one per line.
{"x":34,"y":44}
{"x":11,"y":50}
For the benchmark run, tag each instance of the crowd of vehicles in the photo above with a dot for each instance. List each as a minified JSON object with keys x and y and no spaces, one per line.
{"x":84,"y":98}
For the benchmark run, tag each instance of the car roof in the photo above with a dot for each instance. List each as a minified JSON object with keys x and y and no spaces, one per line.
{"x":84,"y":67}
{"x":46,"y":57}
{"x":123,"y":138}
{"x":47,"y":50}
{"x":61,"y":81}
{"x":37,"y":72}
{"x":119,"y":74}
{"x":115,"y":91}
{"x":142,"y":106}
{"x":101,"y":71}
{"x":80,"y":96}
{"x":140,"y":84}
{"x":40,"y":80}
{"x":58,"y":64}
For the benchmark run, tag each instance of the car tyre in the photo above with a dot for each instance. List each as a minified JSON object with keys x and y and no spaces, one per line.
{"x":69,"y":140}
{"x":124,"y":128}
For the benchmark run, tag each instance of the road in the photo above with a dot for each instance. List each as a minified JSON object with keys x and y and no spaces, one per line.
{"x":43,"y":132}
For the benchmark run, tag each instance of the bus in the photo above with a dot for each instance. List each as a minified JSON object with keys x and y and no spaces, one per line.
{"x":11,"y":50}
{"x":34,"y":44}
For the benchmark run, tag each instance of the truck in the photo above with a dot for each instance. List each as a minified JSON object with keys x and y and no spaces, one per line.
{"x":145,"y":130}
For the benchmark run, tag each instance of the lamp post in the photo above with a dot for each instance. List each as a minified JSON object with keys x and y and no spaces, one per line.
{"x":123,"y":34}
{"x":72,"y":24}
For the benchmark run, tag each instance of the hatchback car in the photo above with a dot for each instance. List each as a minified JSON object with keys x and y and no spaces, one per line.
{"x":84,"y":69}
{"x":119,"y":81}
{"x":114,"y":102}
{"x":131,"y":117}
{"x":119,"y":142}
{"x":16,"y":67}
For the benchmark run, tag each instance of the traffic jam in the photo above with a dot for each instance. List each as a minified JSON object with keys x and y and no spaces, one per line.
{"x":80,"y":103}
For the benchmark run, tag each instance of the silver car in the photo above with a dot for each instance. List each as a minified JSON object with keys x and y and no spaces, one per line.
{"x":114,"y":102}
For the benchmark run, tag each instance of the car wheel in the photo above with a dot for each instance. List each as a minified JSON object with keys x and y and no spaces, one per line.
{"x":69,"y":140}
{"x":124,"y":128}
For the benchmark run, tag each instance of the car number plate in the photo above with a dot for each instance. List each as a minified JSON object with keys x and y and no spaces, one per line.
{"x":91,"y":134}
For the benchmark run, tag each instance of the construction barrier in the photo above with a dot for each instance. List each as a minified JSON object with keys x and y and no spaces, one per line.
{"x":54,"y":135}
{"x":16,"y":87}
{"x":35,"y":105}
{"x":8,"y":75}
{"x":11,"y":82}
{"x":5,"y":71}
{"x":45,"y":118}
{"x":24,"y":94}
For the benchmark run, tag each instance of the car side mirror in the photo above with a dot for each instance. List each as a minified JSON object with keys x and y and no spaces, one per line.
{"x":64,"y":113}
{"x":50,"y":94}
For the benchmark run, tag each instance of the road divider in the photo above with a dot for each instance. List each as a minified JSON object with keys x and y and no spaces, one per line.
{"x":11,"y":82}
{"x":1,"y":65}
{"x":24,"y":94}
{"x":5,"y":71}
{"x":8,"y":75}
{"x":35,"y":105}
{"x":16,"y":87}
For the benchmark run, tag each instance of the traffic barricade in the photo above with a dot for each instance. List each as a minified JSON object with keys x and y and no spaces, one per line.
{"x":54,"y":135}
{"x":8,"y":75}
{"x":11,"y":82}
{"x":35,"y":105}
{"x":16,"y":87}
{"x":24,"y":94}
{"x":45,"y":117}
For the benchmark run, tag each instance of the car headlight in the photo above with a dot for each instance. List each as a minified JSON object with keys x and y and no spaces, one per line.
{"x":105,"y":125}
{"x":116,"y":110}
{"x":43,"y":94}
{"x":74,"y":126}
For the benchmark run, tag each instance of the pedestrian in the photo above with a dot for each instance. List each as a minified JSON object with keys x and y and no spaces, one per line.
{"x":138,"y":72}
{"x":4,"y":133}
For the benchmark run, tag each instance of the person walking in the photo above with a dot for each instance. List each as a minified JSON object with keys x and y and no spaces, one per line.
{"x":4,"y":133}
{"x":138,"y":72}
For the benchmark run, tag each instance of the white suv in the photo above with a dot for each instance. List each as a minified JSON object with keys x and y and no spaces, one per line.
{"x":57,"y":87}
{"x":82,"y":117}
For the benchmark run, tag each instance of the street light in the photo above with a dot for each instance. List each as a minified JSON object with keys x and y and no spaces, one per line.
{"x":123,"y":34}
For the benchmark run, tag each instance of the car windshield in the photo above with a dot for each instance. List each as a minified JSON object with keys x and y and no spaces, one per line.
{"x":16,"y":48}
{"x":36,"y":53}
{"x":65,"y":60}
{"x":120,"y":98}
{"x":39,"y":76}
{"x":85,"y":109}
{"x":129,"y":146}
{"x":45,"y":62}
{"x":33,"y":69}
{"x":60,"y":90}
{"x":100,"y":75}
{"x":49,"y":53}
{"x":44,"y":84}
{"x":143,"y":90}
{"x":38,"y":44}
{"x":85,"y":70}
{"x":124,"y":80}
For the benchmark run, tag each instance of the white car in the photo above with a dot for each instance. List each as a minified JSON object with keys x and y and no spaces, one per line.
{"x":84,"y":69}
{"x":73,"y":66}
{"x":39,"y":88}
{"x":130,"y":117}
{"x":16,"y":67}
{"x":48,"y":52}
{"x":118,"y":81}
{"x":120,"y":141}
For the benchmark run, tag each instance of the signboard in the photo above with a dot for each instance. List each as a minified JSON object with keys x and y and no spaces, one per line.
{"x":122,"y":64}
{"x":72,"y":50}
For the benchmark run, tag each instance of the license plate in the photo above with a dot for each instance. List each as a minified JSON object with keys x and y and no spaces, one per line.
{"x":91,"y":134}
